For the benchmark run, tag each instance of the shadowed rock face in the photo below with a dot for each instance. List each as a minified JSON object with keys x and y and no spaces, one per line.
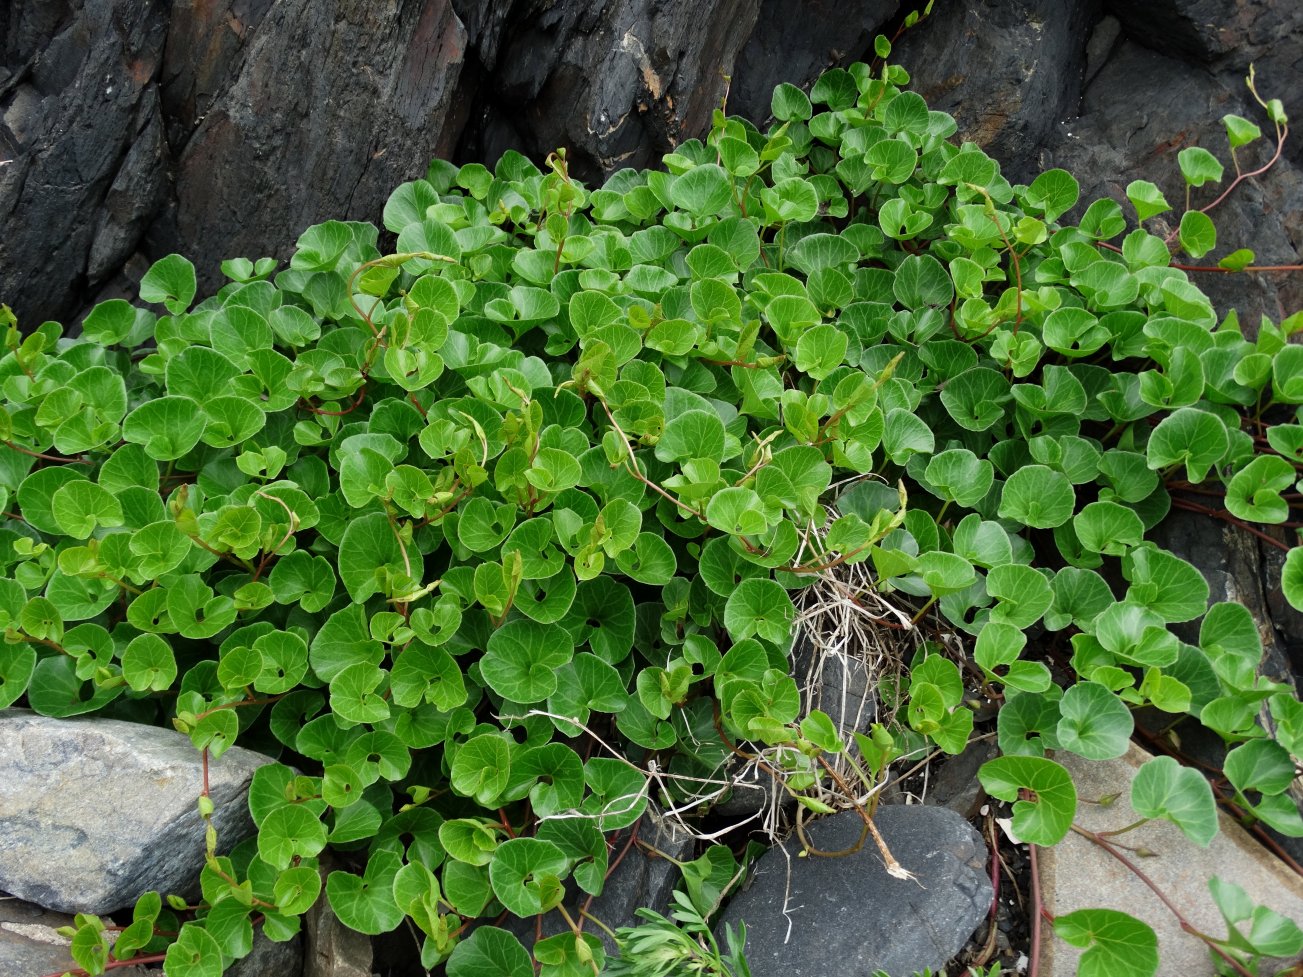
{"x":223,"y":128}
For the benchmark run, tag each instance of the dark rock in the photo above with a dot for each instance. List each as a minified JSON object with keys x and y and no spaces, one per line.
{"x":617,"y":84}
{"x":80,"y":95}
{"x":956,"y":785}
{"x":1202,"y":30}
{"x":830,"y":33}
{"x":287,"y":113}
{"x":146,"y":832}
{"x":1007,"y":71}
{"x":811,"y":917}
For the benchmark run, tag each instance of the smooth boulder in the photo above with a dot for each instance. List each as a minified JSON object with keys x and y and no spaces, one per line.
{"x":817,"y":916}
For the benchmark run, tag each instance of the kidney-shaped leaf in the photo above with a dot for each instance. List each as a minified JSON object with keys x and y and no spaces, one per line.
{"x":1117,"y":945}
{"x":1045,"y":818}
{"x":1164,"y":789}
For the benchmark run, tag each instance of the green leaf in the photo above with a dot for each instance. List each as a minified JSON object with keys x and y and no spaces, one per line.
{"x":1198,"y":234}
{"x":692,"y":434}
{"x":17,"y":663}
{"x":296,"y":889}
{"x":170,"y":281}
{"x":526,"y":875}
{"x":490,"y":952}
{"x":820,"y":350}
{"x":355,"y":693}
{"x":1237,"y":260}
{"x":703,"y":191}
{"x":1240,"y":131}
{"x":959,"y":476}
{"x":1291,"y":578}
{"x":168,"y":427}
{"x":1254,"y":493}
{"x":1053,"y":193}
{"x":1045,"y":820}
{"x":1095,"y":723}
{"x":288,"y":832}
{"x":1147,"y":199}
{"x":1191,"y":437}
{"x":1162,"y":788}
{"x":482,"y":769}
{"x":113,"y":321}
{"x":1199,"y":166}
{"x":80,"y":507}
{"x":1037,"y":496}
{"x":1261,"y":765}
{"x":521,"y":660}
{"x":759,"y":606}
{"x":975,"y":399}
{"x":194,"y":954}
{"x":366,"y":903}
{"x":1118,"y":945}
{"x":148,"y":664}
{"x":1165,"y":583}
{"x":1108,"y":528}
{"x":1270,"y":934}
{"x":790,"y":103}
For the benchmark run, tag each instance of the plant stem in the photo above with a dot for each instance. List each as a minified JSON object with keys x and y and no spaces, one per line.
{"x":1034,"y":955}
{"x":1186,"y":925}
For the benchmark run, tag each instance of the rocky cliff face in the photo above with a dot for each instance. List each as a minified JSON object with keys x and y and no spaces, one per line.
{"x":223,"y":128}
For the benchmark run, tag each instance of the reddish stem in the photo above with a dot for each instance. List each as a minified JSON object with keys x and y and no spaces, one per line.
{"x":1034,"y":956}
{"x":44,"y":457}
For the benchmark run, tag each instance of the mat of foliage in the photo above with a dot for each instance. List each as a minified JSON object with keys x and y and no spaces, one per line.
{"x":494,"y":539}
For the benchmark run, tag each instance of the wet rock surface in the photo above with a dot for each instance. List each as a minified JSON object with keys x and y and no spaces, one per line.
{"x":225,"y":129}
{"x":95,"y":812}
{"x":814,"y":916}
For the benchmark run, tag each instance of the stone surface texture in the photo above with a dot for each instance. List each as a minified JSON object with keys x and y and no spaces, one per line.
{"x":815,"y":916}
{"x":30,"y":946}
{"x":331,"y":948}
{"x":224,"y":128}
{"x":1076,"y":874}
{"x":94,"y":812}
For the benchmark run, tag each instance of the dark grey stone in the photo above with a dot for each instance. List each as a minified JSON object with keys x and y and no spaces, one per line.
{"x":81,"y":91}
{"x":1008,"y":71}
{"x":814,"y":916}
{"x":94,"y":812}
{"x":956,"y":785}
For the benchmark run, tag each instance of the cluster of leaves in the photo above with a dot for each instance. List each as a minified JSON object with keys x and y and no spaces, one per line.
{"x":467,"y":533}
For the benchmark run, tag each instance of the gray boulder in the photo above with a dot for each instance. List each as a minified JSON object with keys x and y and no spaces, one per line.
{"x":94,"y":812}
{"x":30,"y":944}
{"x":816,"y":917}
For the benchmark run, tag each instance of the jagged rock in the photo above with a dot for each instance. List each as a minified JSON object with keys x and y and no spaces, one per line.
{"x":79,"y":97}
{"x":98,"y":811}
{"x":30,"y":945}
{"x":811,"y":917}
{"x":282,"y":114}
{"x":225,"y":129}
{"x":1007,"y":71}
